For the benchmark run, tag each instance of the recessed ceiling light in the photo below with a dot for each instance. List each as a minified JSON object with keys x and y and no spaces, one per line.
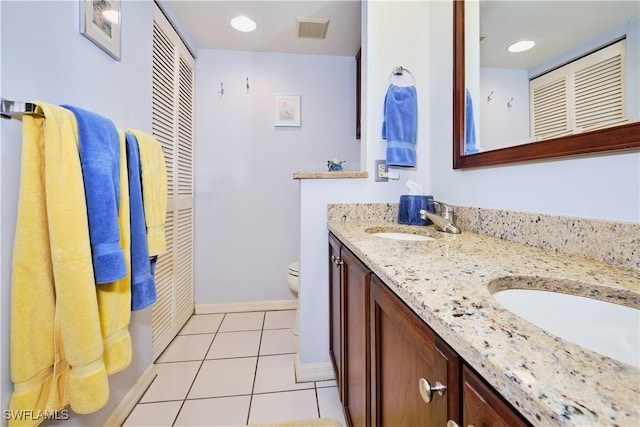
{"x":521,"y":46}
{"x":243,"y":23}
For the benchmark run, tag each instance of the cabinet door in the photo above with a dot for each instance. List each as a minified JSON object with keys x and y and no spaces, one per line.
{"x":404,"y":351}
{"x":335,"y":311}
{"x":482,"y":407}
{"x":355,"y":307}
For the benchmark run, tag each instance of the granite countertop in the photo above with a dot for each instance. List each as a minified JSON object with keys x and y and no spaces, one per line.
{"x":445,"y":281}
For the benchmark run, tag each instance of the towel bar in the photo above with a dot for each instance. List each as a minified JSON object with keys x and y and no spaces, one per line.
{"x":15,"y":110}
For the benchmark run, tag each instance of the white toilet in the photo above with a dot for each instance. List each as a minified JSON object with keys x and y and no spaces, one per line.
{"x":293,"y":282}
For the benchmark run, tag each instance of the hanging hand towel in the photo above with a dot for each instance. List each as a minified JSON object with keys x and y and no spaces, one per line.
{"x":100,"y":160}
{"x":56,"y":341}
{"x":470,"y":144}
{"x":400,"y":125}
{"x":154,"y":190}
{"x":143,"y":287}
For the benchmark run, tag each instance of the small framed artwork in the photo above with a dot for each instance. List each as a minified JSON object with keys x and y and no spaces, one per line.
{"x":100,"y":23}
{"x":287,"y":110}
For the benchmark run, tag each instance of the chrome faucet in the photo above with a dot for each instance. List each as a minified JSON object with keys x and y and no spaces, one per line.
{"x":443,"y":222}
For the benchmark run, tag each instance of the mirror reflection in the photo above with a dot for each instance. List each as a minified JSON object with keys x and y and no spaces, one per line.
{"x":581,"y":74}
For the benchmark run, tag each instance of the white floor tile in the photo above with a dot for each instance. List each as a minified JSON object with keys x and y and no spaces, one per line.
{"x":286,"y":406}
{"x":186,"y":347}
{"x":153,"y":414}
{"x":242,"y":322}
{"x":172,"y":382}
{"x":202,"y":324}
{"x":224,"y":377}
{"x":279,"y":319}
{"x":278,"y":341}
{"x":220,"y":411}
{"x":277,"y":373}
{"x":329,"y":404}
{"x":235,"y":344}
{"x":328,"y":383}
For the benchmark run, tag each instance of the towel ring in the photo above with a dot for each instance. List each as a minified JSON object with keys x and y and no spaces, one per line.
{"x":399,"y":71}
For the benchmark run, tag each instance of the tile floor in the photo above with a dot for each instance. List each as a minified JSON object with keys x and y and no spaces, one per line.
{"x":233,"y":369}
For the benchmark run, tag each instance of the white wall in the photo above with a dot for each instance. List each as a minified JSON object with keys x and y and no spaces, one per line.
{"x":384,"y":46}
{"x":247,"y":203}
{"x":604,"y":186}
{"x":501,"y":126}
{"x":45,"y":57}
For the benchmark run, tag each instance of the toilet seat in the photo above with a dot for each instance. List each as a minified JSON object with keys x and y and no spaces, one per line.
{"x":293,"y":277}
{"x":293,"y":281}
{"x":294,"y":269}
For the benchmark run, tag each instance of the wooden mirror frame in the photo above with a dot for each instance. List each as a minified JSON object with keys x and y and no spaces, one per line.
{"x":623,"y":137}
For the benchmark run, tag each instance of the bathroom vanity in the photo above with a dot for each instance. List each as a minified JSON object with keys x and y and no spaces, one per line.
{"x":416,"y":337}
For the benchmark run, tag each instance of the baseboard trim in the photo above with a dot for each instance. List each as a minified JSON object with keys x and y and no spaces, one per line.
{"x":126,"y":405}
{"x":242,"y":307}
{"x":307,"y":372}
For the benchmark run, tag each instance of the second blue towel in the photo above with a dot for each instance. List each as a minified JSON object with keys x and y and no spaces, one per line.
{"x":143,"y":286}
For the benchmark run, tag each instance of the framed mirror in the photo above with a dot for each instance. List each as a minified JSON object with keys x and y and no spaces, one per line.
{"x":579,"y":141}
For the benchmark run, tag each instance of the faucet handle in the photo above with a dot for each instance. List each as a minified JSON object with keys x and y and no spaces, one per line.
{"x":445,"y":210}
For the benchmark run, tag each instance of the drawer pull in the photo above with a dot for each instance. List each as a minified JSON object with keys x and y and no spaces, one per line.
{"x":426,"y":391}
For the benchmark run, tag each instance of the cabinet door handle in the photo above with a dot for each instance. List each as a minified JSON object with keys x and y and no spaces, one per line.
{"x":336,"y":260}
{"x":452,"y":423}
{"x":426,"y":391}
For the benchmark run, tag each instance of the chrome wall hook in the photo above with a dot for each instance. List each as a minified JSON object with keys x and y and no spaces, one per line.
{"x":490,"y":96}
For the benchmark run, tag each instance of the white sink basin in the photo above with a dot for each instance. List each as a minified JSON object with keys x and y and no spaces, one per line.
{"x":403,"y":236}
{"x":609,"y":329}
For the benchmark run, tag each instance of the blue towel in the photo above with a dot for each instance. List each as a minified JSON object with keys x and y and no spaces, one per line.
{"x":99,"y":146}
{"x":470,"y":144}
{"x":400,"y":125}
{"x":143,"y":286}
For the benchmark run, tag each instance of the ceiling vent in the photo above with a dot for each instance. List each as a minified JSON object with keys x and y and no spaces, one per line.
{"x":312,"y":28}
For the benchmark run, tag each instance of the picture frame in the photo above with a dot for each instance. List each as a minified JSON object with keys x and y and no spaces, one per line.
{"x":100,"y":22}
{"x":287,"y":111}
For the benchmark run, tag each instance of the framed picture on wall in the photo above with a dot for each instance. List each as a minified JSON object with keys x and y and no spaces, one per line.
{"x":100,"y":23}
{"x":287,"y":110}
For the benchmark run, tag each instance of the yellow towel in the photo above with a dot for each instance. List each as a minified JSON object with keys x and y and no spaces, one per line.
{"x":56,"y":343}
{"x":114,"y":299}
{"x":154,"y":189}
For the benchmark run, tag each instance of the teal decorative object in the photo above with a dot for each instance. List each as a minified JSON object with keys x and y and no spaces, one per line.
{"x":335,"y":165}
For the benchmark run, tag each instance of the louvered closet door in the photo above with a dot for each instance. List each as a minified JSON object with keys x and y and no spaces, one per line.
{"x":173,"y":105}
{"x":582,"y":95}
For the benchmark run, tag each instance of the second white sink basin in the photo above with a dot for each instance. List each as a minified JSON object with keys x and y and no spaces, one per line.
{"x":606,"y":328}
{"x":403,"y":236}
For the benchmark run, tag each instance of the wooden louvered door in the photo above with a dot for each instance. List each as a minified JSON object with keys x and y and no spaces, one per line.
{"x":586,"y":94}
{"x":173,"y":127}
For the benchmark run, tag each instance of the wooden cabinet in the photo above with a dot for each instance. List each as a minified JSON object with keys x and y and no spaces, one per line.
{"x":483,"y":407}
{"x":356,"y":279}
{"x":349,"y":331}
{"x":336,"y":332}
{"x":392,"y":369}
{"x":408,"y":361}
{"x":358,"y":93}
